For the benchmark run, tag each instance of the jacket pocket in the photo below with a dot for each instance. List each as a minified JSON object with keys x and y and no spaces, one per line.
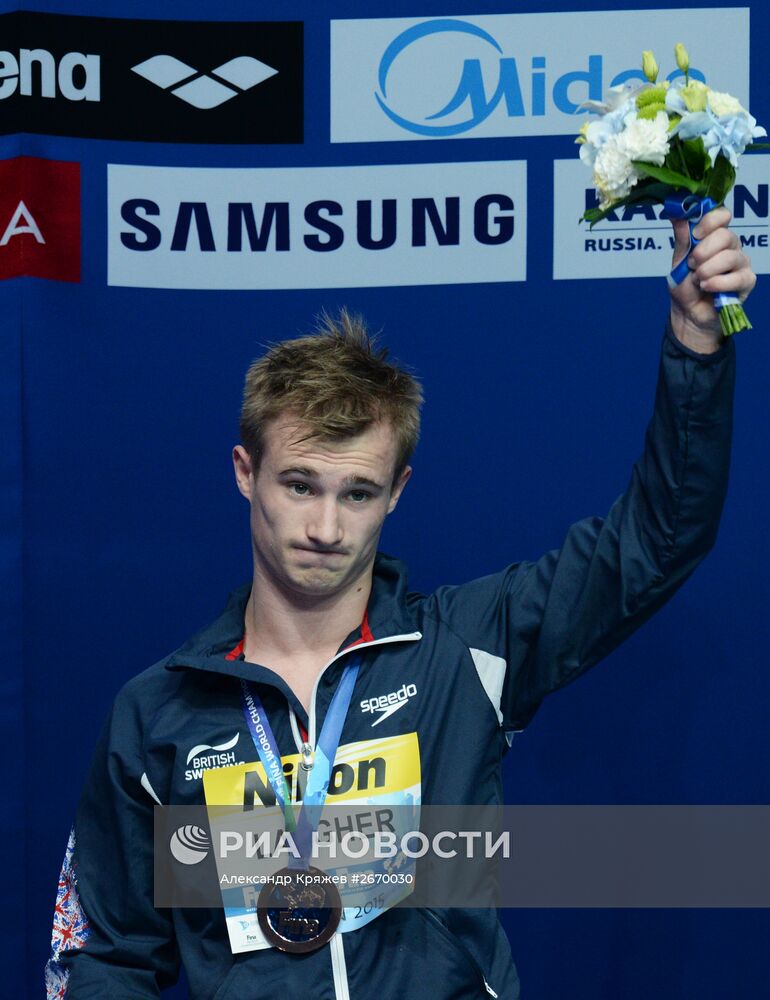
{"x":410,"y":952}
{"x":224,"y":986}
{"x":462,"y":950}
{"x":269,"y":974}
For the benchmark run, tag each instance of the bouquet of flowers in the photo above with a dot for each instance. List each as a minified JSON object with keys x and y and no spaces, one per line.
{"x":676,"y":144}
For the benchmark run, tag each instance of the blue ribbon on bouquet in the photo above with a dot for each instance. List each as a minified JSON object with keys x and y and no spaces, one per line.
{"x":692,"y":208}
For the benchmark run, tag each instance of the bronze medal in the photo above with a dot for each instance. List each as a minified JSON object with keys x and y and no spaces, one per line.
{"x":300,"y":910}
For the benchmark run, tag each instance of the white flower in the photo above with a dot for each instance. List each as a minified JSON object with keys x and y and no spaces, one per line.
{"x":646,"y":139}
{"x":724,"y":104}
{"x":614,"y":173}
{"x":640,"y":139}
{"x":597,"y":133}
{"x":623,"y":94}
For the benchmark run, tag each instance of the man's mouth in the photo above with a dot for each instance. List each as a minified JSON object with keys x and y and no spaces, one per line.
{"x":320,"y":552}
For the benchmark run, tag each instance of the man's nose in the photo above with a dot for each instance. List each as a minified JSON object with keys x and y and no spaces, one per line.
{"x":324,"y":527}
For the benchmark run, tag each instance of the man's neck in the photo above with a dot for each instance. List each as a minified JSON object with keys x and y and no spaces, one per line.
{"x":297,"y":636}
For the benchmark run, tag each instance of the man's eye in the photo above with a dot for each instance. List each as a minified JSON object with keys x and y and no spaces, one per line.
{"x":359,"y":496}
{"x":299,"y":489}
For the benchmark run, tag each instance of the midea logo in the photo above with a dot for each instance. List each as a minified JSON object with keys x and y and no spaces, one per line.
{"x":200,"y":89}
{"x":471,"y":92}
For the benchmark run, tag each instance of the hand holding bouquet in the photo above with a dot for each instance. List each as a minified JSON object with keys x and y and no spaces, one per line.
{"x":672,"y":144}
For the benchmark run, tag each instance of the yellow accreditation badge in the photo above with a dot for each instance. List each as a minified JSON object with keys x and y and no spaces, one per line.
{"x":374,"y":791}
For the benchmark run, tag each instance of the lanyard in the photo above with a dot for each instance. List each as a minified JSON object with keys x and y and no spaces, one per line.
{"x":325,"y":752}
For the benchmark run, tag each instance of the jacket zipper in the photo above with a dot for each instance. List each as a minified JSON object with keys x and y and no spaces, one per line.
{"x":336,"y":946}
{"x":311,"y":734}
{"x":339,"y":968}
{"x":455,"y":941}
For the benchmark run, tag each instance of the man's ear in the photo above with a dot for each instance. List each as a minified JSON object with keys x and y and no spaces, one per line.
{"x":242,"y":466}
{"x":398,"y":488}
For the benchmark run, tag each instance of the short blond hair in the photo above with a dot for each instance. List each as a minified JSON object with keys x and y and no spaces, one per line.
{"x":338,"y":382}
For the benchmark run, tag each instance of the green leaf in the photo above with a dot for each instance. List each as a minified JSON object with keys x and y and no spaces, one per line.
{"x":647,"y":191}
{"x":671,"y":177}
{"x":695,"y":157}
{"x":756,"y":146}
{"x":721,"y":179}
{"x":593,"y":215}
{"x":675,"y":159}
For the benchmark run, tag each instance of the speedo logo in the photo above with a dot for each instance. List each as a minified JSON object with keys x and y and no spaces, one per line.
{"x":387,"y":704}
{"x":203,"y":756}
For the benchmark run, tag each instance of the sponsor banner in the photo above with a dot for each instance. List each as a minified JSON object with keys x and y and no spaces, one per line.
{"x":324,"y":227}
{"x":39,"y":219}
{"x":164,"y":81}
{"x":635,"y":242}
{"x":513,"y":74}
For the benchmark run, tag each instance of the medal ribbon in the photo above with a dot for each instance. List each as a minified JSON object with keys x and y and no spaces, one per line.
{"x":325,"y":752}
{"x":267,"y":748}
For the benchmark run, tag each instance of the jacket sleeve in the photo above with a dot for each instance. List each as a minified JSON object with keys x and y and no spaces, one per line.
{"x":542,"y":624}
{"x":125,"y":947}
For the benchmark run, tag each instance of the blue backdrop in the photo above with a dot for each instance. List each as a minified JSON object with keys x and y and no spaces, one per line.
{"x":122,"y":531}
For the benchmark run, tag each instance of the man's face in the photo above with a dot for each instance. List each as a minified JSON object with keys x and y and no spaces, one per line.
{"x":317,"y":506}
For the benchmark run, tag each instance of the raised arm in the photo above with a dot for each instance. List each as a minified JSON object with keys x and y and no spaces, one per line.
{"x":551,"y":620}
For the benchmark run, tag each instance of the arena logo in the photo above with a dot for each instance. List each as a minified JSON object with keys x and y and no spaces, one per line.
{"x":506,"y":74}
{"x":101,"y":77}
{"x":202,"y":90}
{"x":309,"y":228}
{"x":637,"y":240}
{"x":35,"y":73}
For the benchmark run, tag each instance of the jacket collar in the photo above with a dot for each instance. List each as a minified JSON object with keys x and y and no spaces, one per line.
{"x":388,"y":614}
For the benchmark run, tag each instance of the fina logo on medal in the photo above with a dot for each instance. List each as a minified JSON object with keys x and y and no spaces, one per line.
{"x":300,"y":911}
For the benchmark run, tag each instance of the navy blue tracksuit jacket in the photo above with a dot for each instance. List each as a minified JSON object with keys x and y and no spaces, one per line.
{"x":475,"y":659}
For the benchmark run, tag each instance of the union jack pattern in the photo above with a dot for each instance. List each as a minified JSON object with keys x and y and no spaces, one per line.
{"x":70,"y":925}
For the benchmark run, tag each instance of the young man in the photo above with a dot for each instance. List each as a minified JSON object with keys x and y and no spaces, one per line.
{"x":328,"y":427}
